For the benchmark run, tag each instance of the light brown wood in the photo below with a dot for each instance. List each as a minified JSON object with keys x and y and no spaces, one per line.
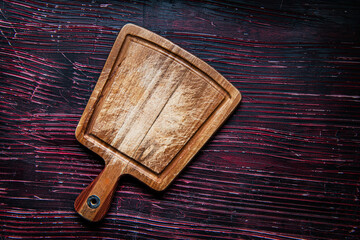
{"x":153,"y":108}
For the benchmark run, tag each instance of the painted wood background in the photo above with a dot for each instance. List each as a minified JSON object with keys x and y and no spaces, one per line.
{"x":286,"y":165}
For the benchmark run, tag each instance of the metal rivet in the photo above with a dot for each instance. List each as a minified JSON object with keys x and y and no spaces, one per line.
{"x":93,"y":201}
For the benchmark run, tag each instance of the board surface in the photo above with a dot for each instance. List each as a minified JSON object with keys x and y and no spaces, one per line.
{"x":152,"y":105}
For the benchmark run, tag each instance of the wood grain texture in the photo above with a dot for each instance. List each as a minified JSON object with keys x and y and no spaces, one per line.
{"x":153,"y":103}
{"x":153,"y":108}
{"x":284,"y":166}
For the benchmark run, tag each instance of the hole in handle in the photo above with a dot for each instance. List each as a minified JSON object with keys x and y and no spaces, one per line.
{"x":93,"y":201}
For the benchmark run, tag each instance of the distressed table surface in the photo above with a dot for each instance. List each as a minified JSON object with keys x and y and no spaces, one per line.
{"x":285,"y":165}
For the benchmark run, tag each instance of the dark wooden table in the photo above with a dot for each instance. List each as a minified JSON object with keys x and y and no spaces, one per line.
{"x":286,"y":165}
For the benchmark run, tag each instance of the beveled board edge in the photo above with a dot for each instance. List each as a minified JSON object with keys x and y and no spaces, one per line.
{"x":158,"y":181}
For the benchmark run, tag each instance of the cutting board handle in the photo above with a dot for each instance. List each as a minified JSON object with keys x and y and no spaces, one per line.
{"x":94,"y":201}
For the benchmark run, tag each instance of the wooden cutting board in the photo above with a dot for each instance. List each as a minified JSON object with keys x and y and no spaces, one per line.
{"x":153,"y":108}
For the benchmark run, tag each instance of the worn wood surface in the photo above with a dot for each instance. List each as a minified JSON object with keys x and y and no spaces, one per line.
{"x":284,"y":166}
{"x":154,"y":106}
